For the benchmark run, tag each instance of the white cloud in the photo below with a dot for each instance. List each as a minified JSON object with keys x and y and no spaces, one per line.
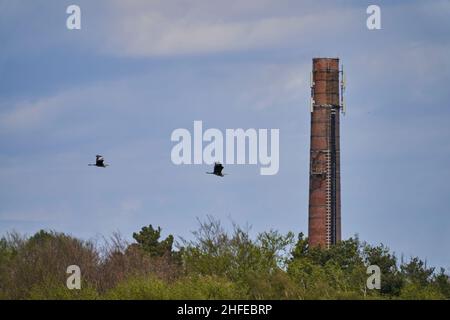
{"x":187,"y":37}
{"x":158,"y":28}
{"x":30,"y":114}
{"x":255,"y":86}
{"x":27,"y":113}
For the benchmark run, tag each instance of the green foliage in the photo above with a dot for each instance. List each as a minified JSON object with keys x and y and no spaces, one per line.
{"x":7,"y":251}
{"x":414,"y":291}
{"x":255,"y":265}
{"x":141,"y":288}
{"x":58,"y":291}
{"x":417,"y":272}
{"x":215,"y":264}
{"x":392,"y":280}
{"x":441,"y":282}
{"x":205,"y":287}
{"x":188,"y":288}
{"x":42,"y":259}
{"x":148,"y":240}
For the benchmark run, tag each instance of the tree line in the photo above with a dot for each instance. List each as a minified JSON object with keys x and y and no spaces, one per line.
{"x":214,"y":264}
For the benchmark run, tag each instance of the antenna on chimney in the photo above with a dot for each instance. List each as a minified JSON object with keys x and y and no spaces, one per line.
{"x":343,"y":84}
{"x":311,"y":84}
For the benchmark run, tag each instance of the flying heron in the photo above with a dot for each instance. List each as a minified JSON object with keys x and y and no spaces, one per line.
{"x":218,"y":167}
{"x":99,"y":162}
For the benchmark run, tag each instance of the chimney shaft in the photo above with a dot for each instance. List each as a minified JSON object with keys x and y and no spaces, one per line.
{"x":324,"y":227}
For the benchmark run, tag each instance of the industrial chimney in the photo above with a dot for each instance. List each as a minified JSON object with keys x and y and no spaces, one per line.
{"x":324,"y":228}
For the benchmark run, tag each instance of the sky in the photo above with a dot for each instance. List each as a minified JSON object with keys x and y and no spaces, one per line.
{"x":137,"y":70}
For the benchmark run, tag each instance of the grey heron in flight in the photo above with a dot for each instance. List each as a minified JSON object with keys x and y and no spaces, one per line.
{"x":218,"y":167}
{"x":99,"y":162}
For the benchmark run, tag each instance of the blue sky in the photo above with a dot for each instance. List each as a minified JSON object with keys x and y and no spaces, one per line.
{"x":137,"y":70}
